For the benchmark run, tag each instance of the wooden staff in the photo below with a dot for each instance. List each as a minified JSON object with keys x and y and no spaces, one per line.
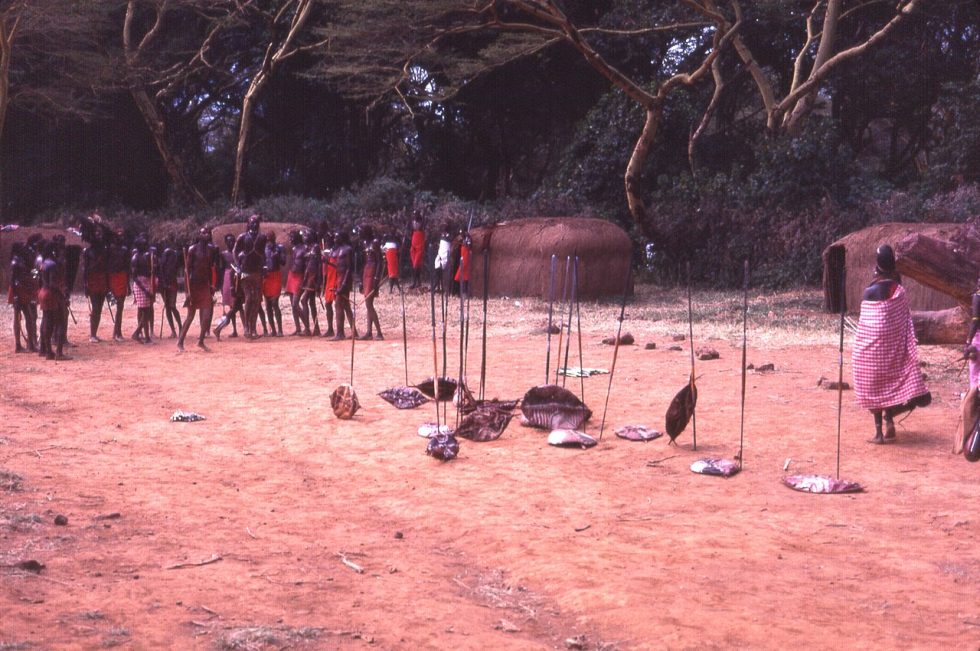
{"x":353,"y":312}
{"x":435,"y":351}
{"x":566,"y":287}
{"x":551,"y":305}
{"x":404,"y":332}
{"x":745,"y":321}
{"x":578,"y":317}
{"x":840,"y":365}
{"x":568,"y":341}
{"x":462,"y":352}
{"x":619,"y":330}
{"x":690,"y":332}
{"x":486,"y":294}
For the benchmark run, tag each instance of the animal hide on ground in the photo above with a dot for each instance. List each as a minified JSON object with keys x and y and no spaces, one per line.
{"x":444,"y":447}
{"x":485,"y":424}
{"x":552,"y":407}
{"x":447,"y":388}
{"x":821,"y":484}
{"x":570,"y":438}
{"x":716,"y":467}
{"x":404,"y":397}
{"x":638,"y":433}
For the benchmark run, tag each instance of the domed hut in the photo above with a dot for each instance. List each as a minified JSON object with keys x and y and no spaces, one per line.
{"x":854,"y":256}
{"x":520,"y":256}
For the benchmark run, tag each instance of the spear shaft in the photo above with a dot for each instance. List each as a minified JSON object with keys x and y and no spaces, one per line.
{"x":619,"y":330}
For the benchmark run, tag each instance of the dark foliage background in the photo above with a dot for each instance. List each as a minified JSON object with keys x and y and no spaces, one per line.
{"x":490,"y":124}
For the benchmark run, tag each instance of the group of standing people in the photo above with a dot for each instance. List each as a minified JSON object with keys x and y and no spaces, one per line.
{"x":40,"y":279}
{"x":248,"y":272}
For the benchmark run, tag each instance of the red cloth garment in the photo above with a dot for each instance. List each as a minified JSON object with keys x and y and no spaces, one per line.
{"x":26,"y":292}
{"x":143,"y":294}
{"x":367,"y":279}
{"x":463,"y":270}
{"x":118,"y":284}
{"x":885,"y":358}
{"x":97,"y":284}
{"x":418,"y":249}
{"x":391,"y":257}
{"x":50,"y":298}
{"x":330,"y":279}
{"x":199,"y":296}
{"x":294,"y":282}
{"x":272,"y":284}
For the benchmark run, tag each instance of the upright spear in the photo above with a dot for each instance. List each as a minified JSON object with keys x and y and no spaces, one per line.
{"x":840,"y":364}
{"x":745,"y":321}
{"x":401,"y":291}
{"x":435,"y":352}
{"x":578,"y":317}
{"x":486,"y":294}
{"x":551,"y":305}
{"x":690,"y":326}
{"x":619,"y":330}
{"x":566,"y":288}
{"x":568,"y":341}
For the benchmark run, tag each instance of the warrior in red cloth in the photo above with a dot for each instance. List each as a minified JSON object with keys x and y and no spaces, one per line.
{"x":311,"y":278}
{"x":417,"y":250}
{"x":22,"y":294}
{"x":887,"y":378}
{"x":118,"y":264}
{"x":249,"y":252}
{"x":51,"y":298}
{"x":370,"y":280}
{"x":344,"y":255}
{"x":294,"y":285}
{"x":200,"y":259}
{"x":167,"y":268}
{"x":462,"y":277}
{"x":329,"y":271}
{"x":275,"y":258}
{"x":390,"y":250}
{"x":96,"y":276}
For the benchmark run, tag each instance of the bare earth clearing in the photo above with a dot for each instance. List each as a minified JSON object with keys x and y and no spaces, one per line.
{"x":515,"y":545}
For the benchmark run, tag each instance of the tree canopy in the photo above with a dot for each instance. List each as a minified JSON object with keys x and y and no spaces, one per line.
{"x":664,"y":116}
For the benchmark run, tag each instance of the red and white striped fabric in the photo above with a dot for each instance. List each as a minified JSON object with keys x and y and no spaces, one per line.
{"x":885,"y":359}
{"x":143,"y":294}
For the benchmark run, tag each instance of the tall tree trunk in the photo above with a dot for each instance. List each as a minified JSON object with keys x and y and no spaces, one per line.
{"x":7,"y":32}
{"x":171,"y":161}
{"x":273,"y":56}
{"x":634,"y":170}
{"x":244,"y":129}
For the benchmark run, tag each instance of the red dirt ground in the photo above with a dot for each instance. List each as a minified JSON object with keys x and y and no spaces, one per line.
{"x":514,"y":545}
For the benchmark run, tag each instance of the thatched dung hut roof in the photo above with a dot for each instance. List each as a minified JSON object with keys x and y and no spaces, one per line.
{"x":521,"y":250}
{"x":854,"y":254}
{"x":281,"y":229}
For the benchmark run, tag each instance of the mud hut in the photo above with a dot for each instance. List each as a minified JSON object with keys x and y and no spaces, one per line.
{"x":21,"y":234}
{"x":520,"y":256}
{"x":854,"y":256}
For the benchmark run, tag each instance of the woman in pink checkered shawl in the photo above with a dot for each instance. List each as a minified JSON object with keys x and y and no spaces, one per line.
{"x":887,"y":379}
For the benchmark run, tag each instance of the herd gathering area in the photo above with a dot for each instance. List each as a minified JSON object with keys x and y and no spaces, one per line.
{"x":274,"y":525}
